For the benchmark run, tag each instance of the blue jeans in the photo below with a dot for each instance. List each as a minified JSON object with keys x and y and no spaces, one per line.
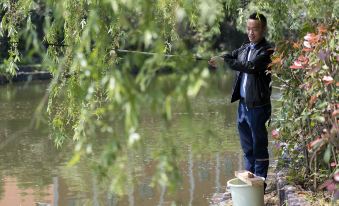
{"x":253,"y":137}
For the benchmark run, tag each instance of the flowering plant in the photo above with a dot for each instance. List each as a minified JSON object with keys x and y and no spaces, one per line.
{"x":307,"y":71}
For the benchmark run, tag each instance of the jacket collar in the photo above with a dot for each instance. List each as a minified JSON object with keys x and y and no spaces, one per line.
{"x":257,"y":45}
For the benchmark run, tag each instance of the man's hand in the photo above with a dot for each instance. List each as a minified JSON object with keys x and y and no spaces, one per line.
{"x":216,"y":61}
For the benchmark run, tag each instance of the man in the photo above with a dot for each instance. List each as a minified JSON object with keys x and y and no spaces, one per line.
{"x":252,"y":87}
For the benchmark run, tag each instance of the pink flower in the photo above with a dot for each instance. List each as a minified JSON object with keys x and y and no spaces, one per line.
{"x":307,"y":44}
{"x":303,"y":60}
{"x":328,"y":80}
{"x":311,"y":38}
{"x":330,"y":187}
{"x":336,"y":177}
{"x":275,"y":134}
{"x":297,"y":65}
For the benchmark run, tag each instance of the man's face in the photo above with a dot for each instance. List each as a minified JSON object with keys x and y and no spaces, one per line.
{"x":255,"y":30}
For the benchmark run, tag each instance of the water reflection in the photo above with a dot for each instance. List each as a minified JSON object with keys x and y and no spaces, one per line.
{"x":34,"y":171}
{"x":190,"y":175}
{"x":217,"y":173}
{"x":162,"y":195}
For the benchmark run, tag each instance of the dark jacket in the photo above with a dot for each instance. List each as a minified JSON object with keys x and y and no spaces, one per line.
{"x":258,"y":86}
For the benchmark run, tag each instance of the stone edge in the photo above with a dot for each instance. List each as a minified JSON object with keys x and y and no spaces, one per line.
{"x":288,"y":194}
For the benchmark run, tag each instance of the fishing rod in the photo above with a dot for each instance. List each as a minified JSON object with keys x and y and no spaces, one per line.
{"x":196,"y":57}
{"x":125,"y":51}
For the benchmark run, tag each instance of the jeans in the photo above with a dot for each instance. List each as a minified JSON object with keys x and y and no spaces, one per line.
{"x":253,"y":137}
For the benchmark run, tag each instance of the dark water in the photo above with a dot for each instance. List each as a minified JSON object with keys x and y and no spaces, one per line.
{"x":34,"y":171}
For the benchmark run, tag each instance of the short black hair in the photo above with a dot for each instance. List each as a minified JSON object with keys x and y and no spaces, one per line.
{"x":260,"y":17}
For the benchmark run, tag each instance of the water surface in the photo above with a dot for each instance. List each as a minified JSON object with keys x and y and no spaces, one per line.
{"x":34,"y":171}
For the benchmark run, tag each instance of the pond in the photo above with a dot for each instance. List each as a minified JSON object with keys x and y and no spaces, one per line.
{"x":35,"y":172}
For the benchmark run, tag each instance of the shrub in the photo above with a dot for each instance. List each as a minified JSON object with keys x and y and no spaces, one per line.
{"x":307,"y":121}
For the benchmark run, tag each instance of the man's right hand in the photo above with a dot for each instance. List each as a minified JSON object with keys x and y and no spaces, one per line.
{"x":216,"y":61}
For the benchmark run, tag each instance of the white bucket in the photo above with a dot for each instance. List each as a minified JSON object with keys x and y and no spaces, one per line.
{"x":244,"y":194}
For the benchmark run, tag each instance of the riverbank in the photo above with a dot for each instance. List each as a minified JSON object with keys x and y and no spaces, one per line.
{"x":278,"y":192}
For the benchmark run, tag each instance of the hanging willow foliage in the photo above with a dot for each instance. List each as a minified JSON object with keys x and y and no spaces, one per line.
{"x":96,"y":91}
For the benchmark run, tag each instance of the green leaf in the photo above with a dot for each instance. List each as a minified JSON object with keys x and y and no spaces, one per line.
{"x":320,"y":118}
{"x":327,"y":154}
{"x":75,"y":159}
{"x":168,"y":108}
